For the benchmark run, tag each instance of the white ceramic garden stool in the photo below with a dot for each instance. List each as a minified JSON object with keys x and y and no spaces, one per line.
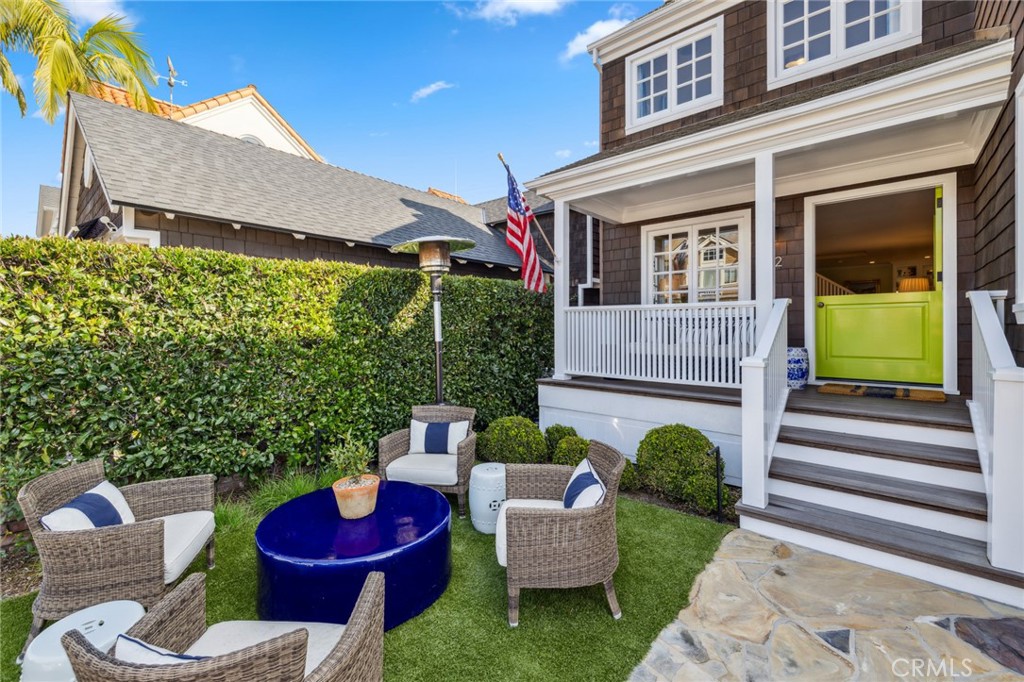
{"x":486,"y":493}
{"x":45,"y":660}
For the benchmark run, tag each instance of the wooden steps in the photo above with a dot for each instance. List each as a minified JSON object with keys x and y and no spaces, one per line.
{"x":944,"y":456}
{"x":955,"y":501}
{"x":952,"y":414}
{"x":928,"y":546}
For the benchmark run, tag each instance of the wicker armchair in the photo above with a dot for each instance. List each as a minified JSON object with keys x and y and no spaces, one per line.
{"x":396,"y":445}
{"x":554,"y":547}
{"x":178,"y":622}
{"x":86,"y":567}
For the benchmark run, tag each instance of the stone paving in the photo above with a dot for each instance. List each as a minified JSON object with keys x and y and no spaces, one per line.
{"x":768,"y":610}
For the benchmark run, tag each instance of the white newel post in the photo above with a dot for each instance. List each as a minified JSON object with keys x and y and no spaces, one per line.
{"x":1006,"y":506}
{"x":764,"y":240}
{"x":752,"y":429}
{"x":561,"y":283}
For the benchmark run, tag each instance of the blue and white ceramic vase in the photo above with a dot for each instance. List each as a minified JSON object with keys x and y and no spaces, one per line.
{"x":796,"y":359}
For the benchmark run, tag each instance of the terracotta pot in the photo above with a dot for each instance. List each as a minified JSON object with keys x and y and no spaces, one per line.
{"x":355,"y":502}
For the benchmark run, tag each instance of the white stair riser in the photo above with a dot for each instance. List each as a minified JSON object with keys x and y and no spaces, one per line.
{"x":876,"y":429}
{"x":882,"y":509}
{"x":989,"y":589}
{"x":893,"y":468}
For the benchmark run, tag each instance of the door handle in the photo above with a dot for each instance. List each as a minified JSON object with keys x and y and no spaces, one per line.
{"x":821,"y":304}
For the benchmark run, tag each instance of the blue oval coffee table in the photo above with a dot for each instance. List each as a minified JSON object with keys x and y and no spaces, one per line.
{"x":311,"y":563}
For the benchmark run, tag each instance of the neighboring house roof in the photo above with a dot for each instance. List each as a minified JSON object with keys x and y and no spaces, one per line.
{"x":782,"y":102}
{"x":49,"y":195}
{"x":47,"y":208}
{"x":153,"y":163}
{"x":445,"y":195}
{"x":118,"y":95}
{"x":496,"y":210}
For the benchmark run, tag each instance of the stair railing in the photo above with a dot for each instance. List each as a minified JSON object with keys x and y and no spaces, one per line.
{"x":828,"y":287}
{"x":764,"y":393}
{"x":997,"y":415}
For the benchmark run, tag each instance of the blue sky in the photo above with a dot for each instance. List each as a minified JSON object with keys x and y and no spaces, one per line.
{"x":420,"y":93}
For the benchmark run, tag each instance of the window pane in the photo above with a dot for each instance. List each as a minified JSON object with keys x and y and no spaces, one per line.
{"x":661,"y":264}
{"x":660,"y":298}
{"x":856,"y":10}
{"x":703,"y":67}
{"x":819,"y":23}
{"x":680,"y":298}
{"x":643,"y":71}
{"x":661,"y":83}
{"x":702,"y":88}
{"x":882,"y":5}
{"x":685,"y":74}
{"x":680,"y":242}
{"x":729,"y":235}
{"x":681,"y":262}
{"x":643,"y":89}
{"x":730,"y":276}
{"x":661,"y":283}
{"x":704,"y":46}
{"x":820,"y":47}
{"x":793,"y":56}
{"x":793,"y":33}
{"x":660,"y":102}
{"x":661,"y":63}
{"x":858,"y":34}
{"x":708,"y":279}
{"x":816,"y":5}
{"x":887,"y":24}
{"x":680,"y":281}
{"x":685,"y":53}
{"x":661,"y":243}
{"x":643,"y":108}
{"x":792,"y":10}
{"x":684,"y":94}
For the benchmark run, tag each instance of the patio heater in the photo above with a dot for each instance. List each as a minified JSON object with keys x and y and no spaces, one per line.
{"x":435,"y":260}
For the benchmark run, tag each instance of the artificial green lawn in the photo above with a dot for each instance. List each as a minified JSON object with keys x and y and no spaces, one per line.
{"x":562,"y":634}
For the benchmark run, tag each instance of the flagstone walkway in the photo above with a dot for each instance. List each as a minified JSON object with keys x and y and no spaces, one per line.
{"x":768,"y":610}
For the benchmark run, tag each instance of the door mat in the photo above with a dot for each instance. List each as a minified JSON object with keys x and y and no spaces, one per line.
{"x":921,"y":394}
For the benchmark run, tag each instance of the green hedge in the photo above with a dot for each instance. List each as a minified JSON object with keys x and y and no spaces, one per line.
{"x":570,"y":451}
{"x":512,"y":440}
{"x":176,"y":361}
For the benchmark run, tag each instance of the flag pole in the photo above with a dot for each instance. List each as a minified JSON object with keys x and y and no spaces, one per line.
{"x":539,"y":228}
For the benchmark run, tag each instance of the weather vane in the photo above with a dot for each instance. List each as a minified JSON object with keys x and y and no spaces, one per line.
{"x":171,"y":80}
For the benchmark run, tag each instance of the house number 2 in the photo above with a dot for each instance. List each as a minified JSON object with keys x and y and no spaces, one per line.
{"x":778,"y":261}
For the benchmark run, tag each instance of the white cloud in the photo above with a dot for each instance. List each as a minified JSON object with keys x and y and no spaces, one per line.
{"x":590,"y":143}
{"x":91,"y":11}
{"x":618,"y":16}
{"x":428,"y":90}
{"x":507,"y":12}
{"x":563,"y":154}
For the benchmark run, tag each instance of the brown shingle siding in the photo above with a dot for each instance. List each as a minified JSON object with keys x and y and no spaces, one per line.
{"x":745,"y":64}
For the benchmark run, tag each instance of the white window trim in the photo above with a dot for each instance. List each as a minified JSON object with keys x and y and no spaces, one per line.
{"x":908,"y":36}
{"x":87,"y":172}
{"x":716,"y":29}
{"x":740,"y":218}
{"x":1018,"y":208}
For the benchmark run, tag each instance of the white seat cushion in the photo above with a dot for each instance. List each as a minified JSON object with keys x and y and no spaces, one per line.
{"x":232,"y":635}
{"x":500,"y":545}
{"x":184,"y":537}
{"x":426,"y":469}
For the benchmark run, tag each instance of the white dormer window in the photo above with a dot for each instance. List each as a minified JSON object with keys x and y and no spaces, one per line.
{"x":678,"y":76}
{"x":252,"y":139}
{"x":807,"y":38}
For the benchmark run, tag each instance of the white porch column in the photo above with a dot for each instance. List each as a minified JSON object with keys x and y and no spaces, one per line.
{"x":561,"y":283}
{"x":764,"y":242}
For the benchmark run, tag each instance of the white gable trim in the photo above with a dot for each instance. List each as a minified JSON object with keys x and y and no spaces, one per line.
{"x":219,"y":111}
{"x":1018,"y":208}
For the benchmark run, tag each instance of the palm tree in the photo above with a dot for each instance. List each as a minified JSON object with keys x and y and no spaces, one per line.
{"x":108,"y":51}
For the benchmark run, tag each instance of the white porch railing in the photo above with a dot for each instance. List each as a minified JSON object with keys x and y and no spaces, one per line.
{"x":829,"y":287}
{"x":698,"y":344}
{"x":997,"y":414}
{"x":765,"y":391}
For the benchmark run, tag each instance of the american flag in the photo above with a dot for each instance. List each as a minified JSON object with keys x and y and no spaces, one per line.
{"x":517,"y":235}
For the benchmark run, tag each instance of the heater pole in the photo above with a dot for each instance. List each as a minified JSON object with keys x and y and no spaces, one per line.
{"x":435,"y":288}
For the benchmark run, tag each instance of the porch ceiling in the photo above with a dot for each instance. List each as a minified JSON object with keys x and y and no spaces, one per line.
{"x":941,"y":142}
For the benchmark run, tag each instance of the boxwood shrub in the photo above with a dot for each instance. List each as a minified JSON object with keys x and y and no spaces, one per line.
{"x":513,"y":440}
{"x":571,"y":450}
{"x":175,"y":361}
{"x":630,"y":479}
{"x":673,"y":461}
{"x":554,"y":435}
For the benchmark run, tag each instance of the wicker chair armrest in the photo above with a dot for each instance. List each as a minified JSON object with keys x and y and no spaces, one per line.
{"x":390,"y":448}
{"x":177,"y":620}
{"x":101,"y":564}
{"x":282,"y":659}
{"x":359,"y":654}
{"x":153,"y":499}
{"x":467,"y":456}
{"x":536,"y":481}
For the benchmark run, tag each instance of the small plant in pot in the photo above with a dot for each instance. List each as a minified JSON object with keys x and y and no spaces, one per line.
{"x":356,"y":490}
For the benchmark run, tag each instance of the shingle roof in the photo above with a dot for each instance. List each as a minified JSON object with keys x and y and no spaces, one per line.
{"x":150,"y":162}
{"x":496,"y":210}
{"x":781,"y":103}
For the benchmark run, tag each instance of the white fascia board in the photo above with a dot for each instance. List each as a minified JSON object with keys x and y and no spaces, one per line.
{"x":972,"y":80}
{"x":1018,"y":304}
{"x":658,"y":25}
{"x":70,"y":124}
